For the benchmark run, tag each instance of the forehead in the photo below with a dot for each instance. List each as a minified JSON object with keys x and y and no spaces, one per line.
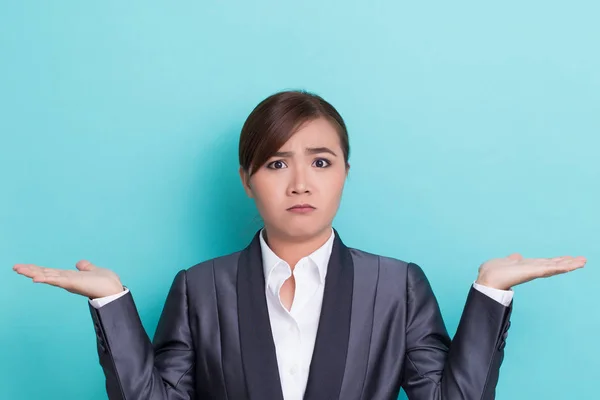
{"x":315,"y":133}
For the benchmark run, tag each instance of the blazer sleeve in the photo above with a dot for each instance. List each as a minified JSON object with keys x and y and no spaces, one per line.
{"x":136,"y":368}
{"x":466,"y":367}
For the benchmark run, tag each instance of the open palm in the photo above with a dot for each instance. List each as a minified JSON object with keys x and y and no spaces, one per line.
{"x":88,"y":280}
{"x":504,"y":273}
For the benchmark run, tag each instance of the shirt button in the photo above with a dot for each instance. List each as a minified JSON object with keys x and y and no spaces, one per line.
{"x":294,"y":369}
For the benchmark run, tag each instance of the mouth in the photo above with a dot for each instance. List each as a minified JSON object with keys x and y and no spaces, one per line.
{"x":301,"y":208}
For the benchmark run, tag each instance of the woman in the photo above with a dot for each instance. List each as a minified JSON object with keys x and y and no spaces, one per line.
{"x":297,"y":314}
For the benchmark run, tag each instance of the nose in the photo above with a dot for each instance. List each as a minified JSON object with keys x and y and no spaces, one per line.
{"x":299,"y":183}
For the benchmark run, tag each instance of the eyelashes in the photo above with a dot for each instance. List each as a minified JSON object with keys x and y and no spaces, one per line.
{"x":322,"y":163}
{"x":318,"y":163}
{"x":278,"y":164}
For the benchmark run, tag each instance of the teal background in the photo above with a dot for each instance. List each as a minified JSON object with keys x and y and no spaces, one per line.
{"x":474,"y":129}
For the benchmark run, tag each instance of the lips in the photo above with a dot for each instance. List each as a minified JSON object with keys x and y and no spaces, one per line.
{"x":301,"y":208}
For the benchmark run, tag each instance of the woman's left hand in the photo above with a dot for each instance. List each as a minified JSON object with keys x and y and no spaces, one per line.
{"x":504,"y":273}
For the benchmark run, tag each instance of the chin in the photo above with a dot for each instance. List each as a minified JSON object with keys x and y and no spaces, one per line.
{"x":300,"y":232}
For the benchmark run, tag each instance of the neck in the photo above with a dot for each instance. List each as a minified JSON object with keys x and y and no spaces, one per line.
{"x":293,"y":249}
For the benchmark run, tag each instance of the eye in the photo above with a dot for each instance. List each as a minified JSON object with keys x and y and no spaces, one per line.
{"x":321,"y":163}
{"x":276,"y":165}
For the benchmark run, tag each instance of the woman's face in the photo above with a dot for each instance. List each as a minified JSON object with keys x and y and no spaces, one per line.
{"x":298,"y":191}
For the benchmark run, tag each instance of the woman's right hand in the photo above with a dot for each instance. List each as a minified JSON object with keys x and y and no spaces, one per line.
{"x":90,"y":281}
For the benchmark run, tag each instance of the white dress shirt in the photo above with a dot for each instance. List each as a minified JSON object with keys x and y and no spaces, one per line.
{"x":295,"y":331}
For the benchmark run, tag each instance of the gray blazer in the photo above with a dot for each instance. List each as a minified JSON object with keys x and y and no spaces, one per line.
{"x":380,"y":329}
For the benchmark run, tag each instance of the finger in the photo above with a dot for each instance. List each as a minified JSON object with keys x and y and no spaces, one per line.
{"x":85,"y":265}
{"x":54,"y":280}
{"x":38,"y":274}
{"x":43,"y":274}
{"x":57,"y":277}
{"x":556,"y":261}
{"x":581,"y":259}
{"x":569,"y":261}
{"x":28,"y":270}
{"x":51,"y":272}
{"x":566,"y":265}
{"x":578,"y":262}
{"x":515,"y":257}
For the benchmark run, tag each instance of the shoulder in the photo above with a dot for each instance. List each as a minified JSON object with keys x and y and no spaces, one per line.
{"x":388,"y":266}
{"x":226,"y":264}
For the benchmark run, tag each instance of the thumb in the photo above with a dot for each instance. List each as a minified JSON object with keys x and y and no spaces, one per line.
{"x":515,"y":257}
{"x":85,"y":265}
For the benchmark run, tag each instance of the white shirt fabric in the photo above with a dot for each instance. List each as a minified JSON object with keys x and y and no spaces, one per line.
{"x":295,"y":331}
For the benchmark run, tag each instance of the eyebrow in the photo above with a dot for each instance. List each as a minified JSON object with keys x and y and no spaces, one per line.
{"x":309,"y":150}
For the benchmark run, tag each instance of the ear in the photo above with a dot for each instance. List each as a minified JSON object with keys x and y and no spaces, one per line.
{"x":245,"y":178}
{"x":347,"y":169}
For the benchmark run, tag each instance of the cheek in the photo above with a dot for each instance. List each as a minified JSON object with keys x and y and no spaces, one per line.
{"x":267,"y":196}
{"x":333,"y":189}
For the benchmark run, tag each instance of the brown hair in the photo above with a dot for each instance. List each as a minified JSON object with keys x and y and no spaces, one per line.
{"x":275,"y":119}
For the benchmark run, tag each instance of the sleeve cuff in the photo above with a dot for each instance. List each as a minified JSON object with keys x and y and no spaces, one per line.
{"x":102,"y":301}
{"x":503,"y":297}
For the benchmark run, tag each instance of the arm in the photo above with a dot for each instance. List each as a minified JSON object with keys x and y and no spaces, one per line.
{"x":466,"y":367}
{"x":134,"y":367}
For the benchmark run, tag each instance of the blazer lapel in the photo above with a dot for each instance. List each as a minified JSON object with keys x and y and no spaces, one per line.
{"x":256,"y":339}
{"x":366,"y":277}
{"x":331,"y":345}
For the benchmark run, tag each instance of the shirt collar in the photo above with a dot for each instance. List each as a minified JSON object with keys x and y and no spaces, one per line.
{"x":320,"y":256}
